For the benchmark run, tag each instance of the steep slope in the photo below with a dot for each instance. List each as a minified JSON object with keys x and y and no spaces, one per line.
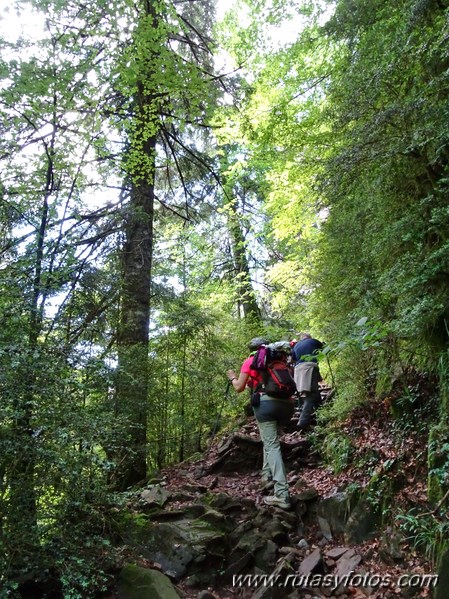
{"x":342,"y":525}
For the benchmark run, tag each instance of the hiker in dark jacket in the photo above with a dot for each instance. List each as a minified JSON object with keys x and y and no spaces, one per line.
{"x":307,"y":376}
{"x":270,"y":413}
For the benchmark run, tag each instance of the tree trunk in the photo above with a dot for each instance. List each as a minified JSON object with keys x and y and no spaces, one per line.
{"x":132,"y":384}
{"x":247,"y":298}
{"x":22,"y":512}
{"x":137,"y":253}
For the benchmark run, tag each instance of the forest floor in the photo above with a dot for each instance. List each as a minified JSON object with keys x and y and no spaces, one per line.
{"x":376,"y":444}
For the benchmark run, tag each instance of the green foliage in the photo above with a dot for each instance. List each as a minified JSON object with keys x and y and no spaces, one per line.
{"x":352,"y":122}
{"x":79,"y":110}
{"x":385,"y":155}
{"x":440,"y":459}
{"x":443,"y":372}
{"x":382,"y":488}
{"x":356,"y":368}
{"x":67,"y":476}
{"x":425,"y":533}
{"x":337,"y":450}
{"x":438,"y":462}
{"x":351,"y":395}
{"x":333,"y":166}
{"x":408,"y":402}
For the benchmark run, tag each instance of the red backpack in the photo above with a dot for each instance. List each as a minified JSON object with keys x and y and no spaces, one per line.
{"x":277,"y":376}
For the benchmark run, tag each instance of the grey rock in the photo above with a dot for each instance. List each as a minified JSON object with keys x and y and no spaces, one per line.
{"x":251,"y":541}
{"x":154,"y":496}
{"x":135,"y":582}
{"x":265,"y":558}
{"x":312,"y":563}
{"x":205,"y":595}
{"x":174,"y":545}
{"x":307,"y":495}
{"x":237,"y":566}
{"x":335,"y":509}
{"x":363,"y":523}
{"x":325,"y":528}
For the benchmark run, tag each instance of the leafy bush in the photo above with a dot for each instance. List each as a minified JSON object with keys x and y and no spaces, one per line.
{"x":336,"y":449}
{"x":426,"y":533}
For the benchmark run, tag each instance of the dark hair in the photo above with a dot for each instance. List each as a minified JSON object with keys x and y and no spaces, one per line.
{"x":257,"y":342}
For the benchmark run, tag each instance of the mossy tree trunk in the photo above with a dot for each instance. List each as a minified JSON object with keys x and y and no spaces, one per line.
{"x":136,"y":256}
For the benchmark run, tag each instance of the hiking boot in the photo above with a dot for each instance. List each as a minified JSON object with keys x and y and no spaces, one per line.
{"x":283,"y":502}
{"x":266,"y":484}
{"x":303,"y":428}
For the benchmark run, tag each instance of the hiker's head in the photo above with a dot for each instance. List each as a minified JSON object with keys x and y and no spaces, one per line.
{"x":256,"y":343}
{"x":305,"y":336}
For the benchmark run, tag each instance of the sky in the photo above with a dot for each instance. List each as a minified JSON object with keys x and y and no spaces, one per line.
{"x":29,"y":23}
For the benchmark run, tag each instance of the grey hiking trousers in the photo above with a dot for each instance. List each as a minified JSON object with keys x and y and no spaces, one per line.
{"x":270,"y":414}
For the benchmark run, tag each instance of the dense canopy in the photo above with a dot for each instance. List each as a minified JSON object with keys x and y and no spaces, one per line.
{"x":176,"y":178}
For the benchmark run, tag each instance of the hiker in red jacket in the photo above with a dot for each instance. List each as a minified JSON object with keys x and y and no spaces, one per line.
{"x":270,"y":413}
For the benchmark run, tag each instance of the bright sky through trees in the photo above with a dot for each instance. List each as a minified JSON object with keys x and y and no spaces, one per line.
{"x":28,"y":24}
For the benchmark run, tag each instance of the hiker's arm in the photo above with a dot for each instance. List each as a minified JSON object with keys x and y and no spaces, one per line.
{"x":238,"y":382}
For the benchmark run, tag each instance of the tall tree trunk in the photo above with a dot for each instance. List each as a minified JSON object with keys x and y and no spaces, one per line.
{"x":182,"y":439}
{"x":246,"y":296}
{"x":163,"y":82}
{"x":22,"y":512}
{"x":132,"y":387}
{"x":137,"y":253}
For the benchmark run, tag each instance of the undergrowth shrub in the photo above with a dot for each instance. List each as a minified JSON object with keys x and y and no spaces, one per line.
{"x":336,"y":449}
{"x":345,"y":400}
{"x":438,"y":462}
{"x":443,"y":373}
{"x":358,"y":364}
{"x":426,"y":533}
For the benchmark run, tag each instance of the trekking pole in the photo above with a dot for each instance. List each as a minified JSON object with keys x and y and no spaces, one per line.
{"x":217,"y":421}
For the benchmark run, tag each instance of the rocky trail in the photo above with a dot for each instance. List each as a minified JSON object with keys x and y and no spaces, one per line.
{"x":203,"y":528}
